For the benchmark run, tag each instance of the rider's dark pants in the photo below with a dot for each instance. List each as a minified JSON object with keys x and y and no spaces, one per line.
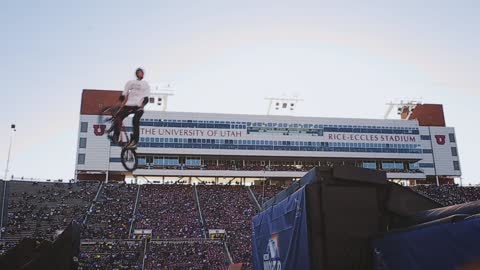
{"x":124,"y":113}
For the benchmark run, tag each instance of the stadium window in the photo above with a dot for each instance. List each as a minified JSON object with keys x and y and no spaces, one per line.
{"x":83,"y":127}
{"x":81,"y":159}
{"x":451,"y":136}
{"x":369,"y":165}
{"x":426,"y":165}
{"x":388,"y":165}
{"x":414,"y":165}
{"x":83,"y":143}
{"x":149,"y":160}
{"x":399,"y":166}
{"x":456,"y":165}
{"x":454,"y":151}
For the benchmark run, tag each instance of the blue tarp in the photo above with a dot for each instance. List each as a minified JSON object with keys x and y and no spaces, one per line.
{"x":442,"y":247}
{"x":280,"y":235}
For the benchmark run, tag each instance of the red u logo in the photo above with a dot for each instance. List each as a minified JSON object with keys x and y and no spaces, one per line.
{"x":99,"y":130}
{"x":440,"y":139}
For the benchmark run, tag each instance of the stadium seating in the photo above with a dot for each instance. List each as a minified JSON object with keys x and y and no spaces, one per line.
{"x":229,"y":208}
{"x":6,"y":245}
{"x":111,"y":254}
{"x":112,"y":212}
{"x":264,"y":192}
{"x":40,"y":209}
{"x":169,"y":210}
{"x":196,"y":255}
{"x":449,"y":194}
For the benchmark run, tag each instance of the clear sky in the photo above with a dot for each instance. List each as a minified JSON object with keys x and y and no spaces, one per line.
{"x":344,"y":58}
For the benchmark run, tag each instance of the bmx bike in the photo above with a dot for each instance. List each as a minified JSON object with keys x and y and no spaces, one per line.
{"x":128,"y":155}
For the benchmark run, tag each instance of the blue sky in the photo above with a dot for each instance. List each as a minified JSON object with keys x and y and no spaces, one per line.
{"x":345,"y":59}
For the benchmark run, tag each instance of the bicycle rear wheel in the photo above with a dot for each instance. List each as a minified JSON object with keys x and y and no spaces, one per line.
{"x":129,"y":159}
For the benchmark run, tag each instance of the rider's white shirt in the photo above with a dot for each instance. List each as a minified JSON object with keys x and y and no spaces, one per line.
{"x":136,"y":91}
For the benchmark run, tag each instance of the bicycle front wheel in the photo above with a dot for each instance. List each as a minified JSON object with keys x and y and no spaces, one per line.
{"x":129,"y":159}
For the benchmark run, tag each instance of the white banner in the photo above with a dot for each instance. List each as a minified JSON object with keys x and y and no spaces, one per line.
{"x":191,"y":132}
{"x":372,"y":138}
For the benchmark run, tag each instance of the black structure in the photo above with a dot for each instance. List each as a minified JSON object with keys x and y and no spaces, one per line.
{"x":346,"y":208}
{"x":30,"y":254}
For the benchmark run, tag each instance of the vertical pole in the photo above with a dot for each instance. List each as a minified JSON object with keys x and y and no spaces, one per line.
{"x":108,"y":160}
{"x":3,"y":205}
{"x":263,"y":191}
{"x":9,"y":151}
{"x":433,"y":156}
{"x":269,"y":106}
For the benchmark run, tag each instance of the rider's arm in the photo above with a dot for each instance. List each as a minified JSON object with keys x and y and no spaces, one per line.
{"x":123,"y":98}
{"x":147,"y":93}
{"x":145,"y":101}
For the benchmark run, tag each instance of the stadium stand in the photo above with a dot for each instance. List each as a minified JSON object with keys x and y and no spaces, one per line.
{"x":6,"y":245}
{"x":111,"y":254}
{"x":40,"y":209}
{"x":449,"y":194}
{"x":195,"y":255}
{"x":112,"y":212}
{"x":169,"y":210}
{"x":263,"y":193}
{"x":229,"y":208}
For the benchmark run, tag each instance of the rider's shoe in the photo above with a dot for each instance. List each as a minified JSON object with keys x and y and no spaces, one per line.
{"x":132,"y":144}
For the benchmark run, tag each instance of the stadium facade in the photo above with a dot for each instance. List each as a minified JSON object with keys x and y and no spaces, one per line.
{"x":194,"y":147}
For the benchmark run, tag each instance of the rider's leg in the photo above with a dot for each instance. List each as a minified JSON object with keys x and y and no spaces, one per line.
{"x":136,"y":125}
{"x":118,"y":122}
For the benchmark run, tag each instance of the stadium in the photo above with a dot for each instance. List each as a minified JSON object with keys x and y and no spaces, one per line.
{"x":200,"y":147}
{"x":202,"y":178}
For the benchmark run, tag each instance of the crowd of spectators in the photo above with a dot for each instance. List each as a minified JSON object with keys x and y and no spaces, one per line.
{"x":112,"y":212}
{"x":6,"y":245}
{"x":43,"y":209}
{"x":225,"y":167}
{"x":449,"y":194}
{"x":111,"y":255}
{"x":231,"y":209}
{"x":264,"y":192}
{"x":198,"y":255}
{"x":169,"y":210}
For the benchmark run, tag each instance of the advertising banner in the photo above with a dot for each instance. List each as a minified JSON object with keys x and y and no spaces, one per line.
{"x":280,"y":235}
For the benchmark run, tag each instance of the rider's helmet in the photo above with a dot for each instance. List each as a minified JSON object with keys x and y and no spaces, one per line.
{"x":140,"y":69}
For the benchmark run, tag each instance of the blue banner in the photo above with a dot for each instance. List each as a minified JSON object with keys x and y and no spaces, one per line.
{"x":280,"y":235}
{"x":440,"y":247}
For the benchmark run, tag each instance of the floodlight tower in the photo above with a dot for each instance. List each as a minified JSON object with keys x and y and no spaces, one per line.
{"x":282,"y":106}
{"x":404,"y":108}
{"x":12,"y":133}
{"x":158,"y":99}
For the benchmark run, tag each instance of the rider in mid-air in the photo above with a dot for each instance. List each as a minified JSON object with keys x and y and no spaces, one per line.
{"x":133,"y":99}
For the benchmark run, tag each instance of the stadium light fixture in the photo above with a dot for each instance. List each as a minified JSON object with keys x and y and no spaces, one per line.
{"x":13,"y":129}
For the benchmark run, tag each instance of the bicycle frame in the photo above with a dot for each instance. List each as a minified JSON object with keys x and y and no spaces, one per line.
{"x":124,"y":137}
{"x":128,"y":156}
